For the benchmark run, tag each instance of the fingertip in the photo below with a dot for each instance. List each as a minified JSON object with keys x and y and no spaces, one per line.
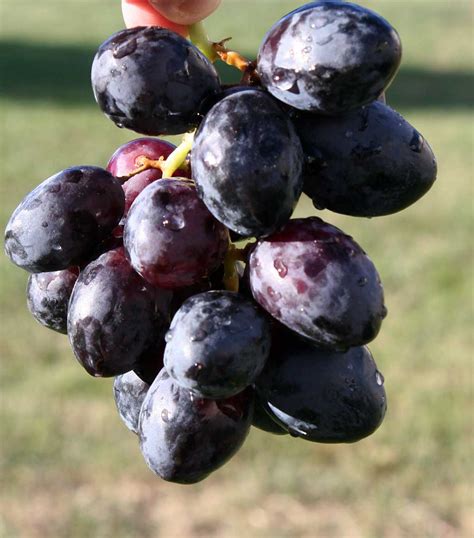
{"x":142,"y":13}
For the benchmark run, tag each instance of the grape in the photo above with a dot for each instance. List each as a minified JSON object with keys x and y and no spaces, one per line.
{"x":217,"y":344}
{"x":321,"y":395}
{"x":262,"y":419}
{"x":366,"y":163}
{"x":329,"y":57}
{"x":129,"y":393}
{"x":171,"y":238}
{"x":318,"y":282}
{"x":115,"y":317}
{"x":150,"y":366}
{"x":185,"y":11}
{"x":48,"y":297}
{"x":142,"y":13}
{"x":246,"y":162}
{"x":152,"y":81}
{"x":124,"y":161}
{"x":183,"y":438}
{"x":60,"y":223}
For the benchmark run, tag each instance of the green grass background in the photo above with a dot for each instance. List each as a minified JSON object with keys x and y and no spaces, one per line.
{"x":69,"y":466}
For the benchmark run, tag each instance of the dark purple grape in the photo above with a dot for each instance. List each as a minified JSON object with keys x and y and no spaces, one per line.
{"x":321,"y":395}
{"x":171,"y":238}
{"x":129,"y":393}
{"x":329,"y":57}
{"x":47,"y":296}
{"x":152,"y":81}
{"x":217,"y":344}
{"x":366,"y":163}
{"x":184,"y":438}
{"x":150,"y":364}
{"x":317,"y":281}
{"x":262,"y":419}
{"x":115,"y":317}
{"x":60,"y":223}
{"x":246,"y":162}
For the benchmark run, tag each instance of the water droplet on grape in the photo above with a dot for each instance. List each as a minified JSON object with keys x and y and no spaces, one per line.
{"x":348,"y":134}
{"x":379,"y":378}
{"x":168,"y":336}
{"x":275,"y":295}
{"x":165,"y":415}
{"x":280,"y":267}
{"x":362,"y":281}
{"x":416,"y":142}
{"x":173,"y":222}
{"x":284,"y":78}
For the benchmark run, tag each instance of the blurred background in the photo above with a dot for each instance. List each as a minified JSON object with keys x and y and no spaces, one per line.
{"x":70,"y":468}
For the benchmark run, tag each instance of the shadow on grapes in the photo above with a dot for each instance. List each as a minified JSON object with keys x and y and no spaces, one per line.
{"x":33,"y":71}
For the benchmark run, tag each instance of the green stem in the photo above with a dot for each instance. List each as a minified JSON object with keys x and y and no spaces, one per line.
{"x":178,"y":156}
{"x":231,"y":278}
{"x":198,"y":35}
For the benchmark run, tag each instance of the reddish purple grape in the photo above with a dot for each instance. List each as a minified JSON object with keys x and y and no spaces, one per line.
{"x":171,"y":238}
{"x":184,"y":438}
{"x":318,"y":281}
{"x":126,"y":159}
{"x":115,"y":317}
{"x":61,"y":222}
{"x":48,"y":297}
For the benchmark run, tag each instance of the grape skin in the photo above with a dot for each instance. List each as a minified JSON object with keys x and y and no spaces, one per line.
{"x":262,"y":419}
{"x":171,"y":238}
{"x":152,"y":80}
{"x":366,"y":163}
{"x":60,"y":223}
{"x":329,"y":57}
{"x":115,"y":318}
{"x":47,"y":296}
{"x":247,"y":162}
{"x":319,"y":283}
{"x":323,"y":396}
{"x":129,"y":393}
{"x":217,"y":344}
{"x":184,"y":438}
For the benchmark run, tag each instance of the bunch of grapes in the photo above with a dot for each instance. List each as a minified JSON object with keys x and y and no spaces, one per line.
{"x":179,"y":270}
